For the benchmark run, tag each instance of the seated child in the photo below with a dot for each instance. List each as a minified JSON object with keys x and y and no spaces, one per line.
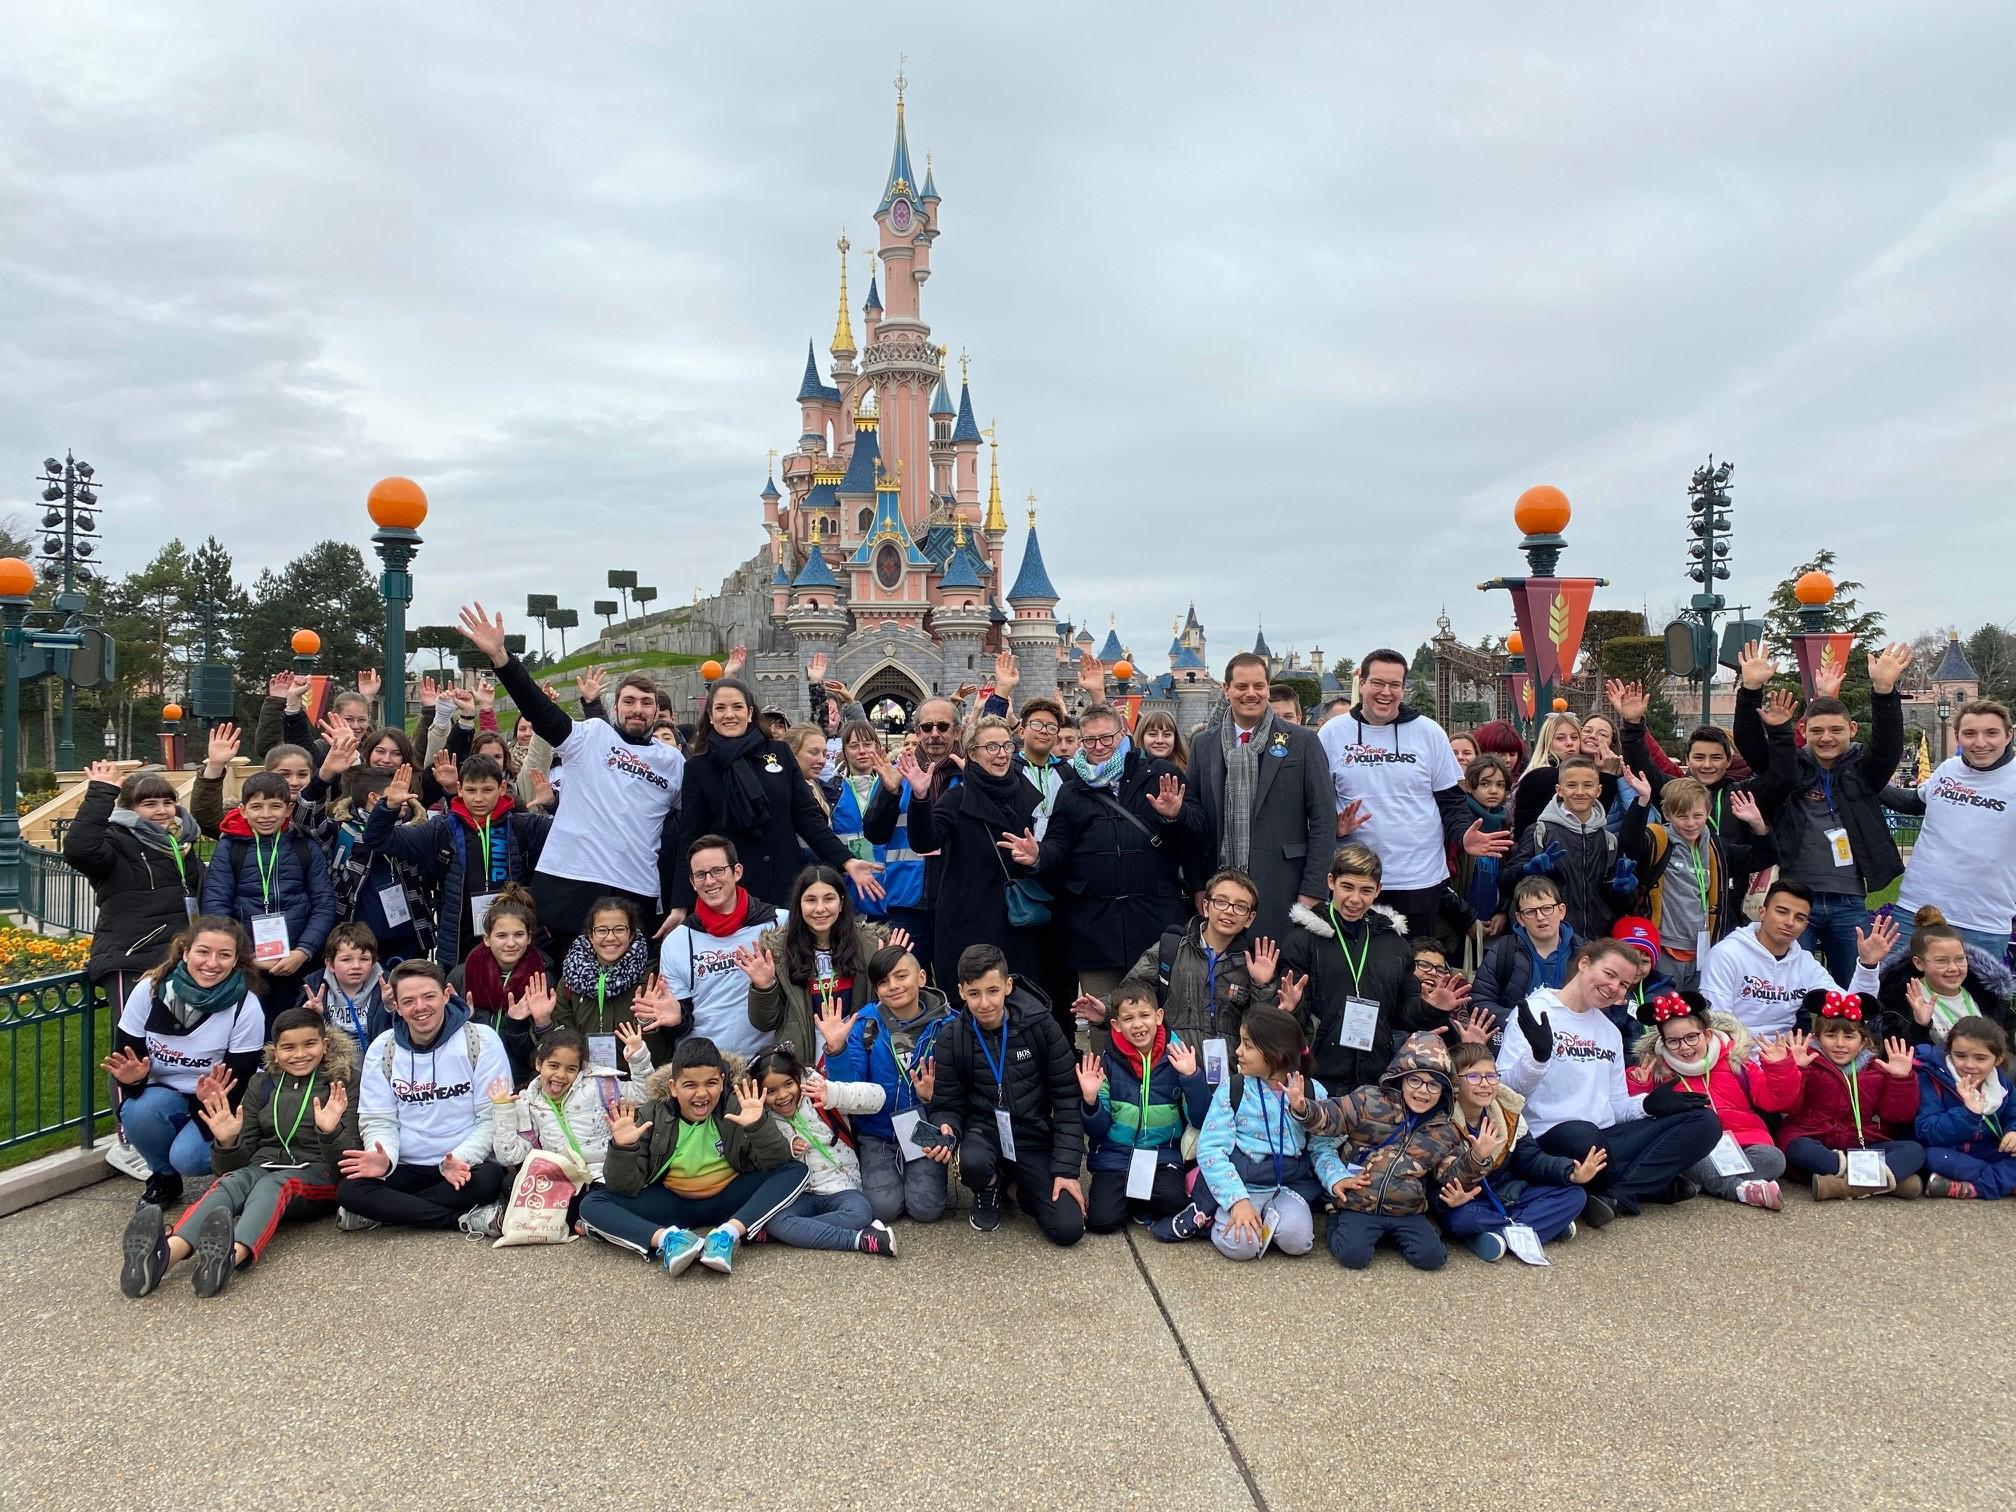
{"x":349,"y":990}
{"x":1941,"y":979}
{"x":1697,"y":1050}
{"x":1406,"y":1147}
{"x":831,"y":1213}
{"x":567,"y":1105}
{"x":268,"y":1166}
{"x":891,"y":1043}
{"x":605,"y":973}
{"x":1967,"y":1112}
{"x":497,"y":977}
{"x":1140,"y":1098}
{"x":1833,"y":1132}
{"x":1533,"y":952}
{"x":1260,"y":1173}
{"x":1522,"y":1183}
{"x":704,"y":1154}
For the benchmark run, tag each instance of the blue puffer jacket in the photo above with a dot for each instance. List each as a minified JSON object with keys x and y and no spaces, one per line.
{"x":1115,"y":1126}
{"x":1948,"y":1123}
{"x":298,"y":874}
{"x":859,"y":1062}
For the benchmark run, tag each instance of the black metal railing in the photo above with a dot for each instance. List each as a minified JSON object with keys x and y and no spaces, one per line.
{"x":54,"y":894}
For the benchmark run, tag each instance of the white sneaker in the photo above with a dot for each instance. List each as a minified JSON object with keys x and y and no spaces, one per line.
{"x":485,"y":1222}
{"x":353,"y":1223}
{"x":126,"y":1160}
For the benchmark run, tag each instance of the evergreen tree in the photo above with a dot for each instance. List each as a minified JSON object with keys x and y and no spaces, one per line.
{"x":1782,"y":621}
{"x":327,"y":589}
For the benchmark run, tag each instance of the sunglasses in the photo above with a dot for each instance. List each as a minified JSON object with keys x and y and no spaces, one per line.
{"x":935,"y":727}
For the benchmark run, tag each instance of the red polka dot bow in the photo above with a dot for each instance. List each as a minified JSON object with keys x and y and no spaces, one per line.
{"x":1669,"y":1006}
{"x":1842,"y":1005}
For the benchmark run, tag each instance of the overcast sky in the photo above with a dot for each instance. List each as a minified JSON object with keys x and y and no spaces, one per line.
{"x":1281,"y":316}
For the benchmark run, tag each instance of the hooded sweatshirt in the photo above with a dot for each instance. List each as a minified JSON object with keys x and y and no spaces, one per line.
{"x":1585,"y":859}
{"x":422,"y":1104}
{"x":697,"y":961}
{"x":1762,"y":991}
{"x":1408,"y":1155}
{"x":1584,"y":1077}
{"x":1965,"y":856}
{"x":1395,"y":770}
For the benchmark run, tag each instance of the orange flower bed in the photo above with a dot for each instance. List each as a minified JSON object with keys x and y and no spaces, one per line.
{"x":25,"y":955}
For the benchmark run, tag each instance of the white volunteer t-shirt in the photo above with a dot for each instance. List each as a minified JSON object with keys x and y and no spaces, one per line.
{"x":1965,"y":858}
{"x":182,"y":1060}
{"x":700,"y":969}
{"x":1395,"y":770}
{"x":618,"y":795}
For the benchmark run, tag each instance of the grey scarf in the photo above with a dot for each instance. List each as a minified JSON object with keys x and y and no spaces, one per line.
{"x":1242,"y":774}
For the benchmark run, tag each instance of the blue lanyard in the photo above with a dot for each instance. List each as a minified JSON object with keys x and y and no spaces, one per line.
{"x":1211,"y":987}
{"x":1000,"y":1067}
{"x":1827,"y":788}
{"x":1267,"y":1130}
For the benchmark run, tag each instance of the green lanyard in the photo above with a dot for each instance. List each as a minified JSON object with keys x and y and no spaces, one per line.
{"x":601,"y":1001}
{"x":1364,"y":950}
{"x":268,"y":864}
{"x":1715,"y":819}
{"x":307,"y":1096}
{"x":572,"y":1143}
{"x":1854,"y":1102}
{"x":796,"y":1122}
{"x":1699,"y":853}
{"x":175,"y":850}
{"x":483,"y":835}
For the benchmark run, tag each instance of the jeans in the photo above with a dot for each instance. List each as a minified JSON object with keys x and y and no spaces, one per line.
{"x":258,"y":1199}
{"x":1767,"y":1163}
{"x":1285,"y":1208}
{"x":168,"y":1136}
{"x":899,"y":1188}
{"x":821,"y":1221}
{"x":1352,"y":1237}
{"x":980,"y":1167}
{"x":1830,"y":933}
{"x":1644,"y":1154}
{"x":1547,"y":1210}
{"x":1904,"y":1157}
{"x":754,"y":1197}
{"x":1108,"y":1205}
{"x":419,"y":1196}
{"x":1993,"y":1176}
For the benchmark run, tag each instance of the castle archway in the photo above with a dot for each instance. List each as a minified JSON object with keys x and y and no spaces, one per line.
{"x":891,"y":696}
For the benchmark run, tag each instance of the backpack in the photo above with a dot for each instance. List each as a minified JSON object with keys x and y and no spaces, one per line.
{"x":470,"y":1043}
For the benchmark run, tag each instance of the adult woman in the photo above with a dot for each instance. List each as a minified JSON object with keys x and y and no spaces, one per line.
{"x":141,"y":859}
{"x":191,"y":1026}
{"x":808,"y":749}
{"x":969,"y":825}
{"x":1564,"y":1056}
{"x":1157,"y":735}
{"x":743,"y":785}
{"x":865,"y":768}
{"x":1463,"y":746}
{"x":820,"y":955}
{"x":1497,"y":738}
{"x":1560,"y":737}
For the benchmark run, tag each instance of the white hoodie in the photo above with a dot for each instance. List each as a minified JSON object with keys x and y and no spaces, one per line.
{"x":1583,"y":1079}
{"x":1762,"y":991}
{"x":435,"y":1102}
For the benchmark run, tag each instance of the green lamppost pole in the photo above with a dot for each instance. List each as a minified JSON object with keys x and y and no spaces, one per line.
{"x":17,"y":582}
{"x":71,"y":493}
{"x":398,"y":508}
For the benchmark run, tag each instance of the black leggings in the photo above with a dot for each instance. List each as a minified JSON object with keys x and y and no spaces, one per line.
{"x":1645,"y":1154}
{"x":1108,"y":1205}
{"x":419,"y":1196}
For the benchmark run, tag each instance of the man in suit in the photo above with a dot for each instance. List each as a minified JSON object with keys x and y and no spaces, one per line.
{"x":1268,"y":797}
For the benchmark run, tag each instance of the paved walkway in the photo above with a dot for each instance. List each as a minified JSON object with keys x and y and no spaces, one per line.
{"x":1847,"y":1356}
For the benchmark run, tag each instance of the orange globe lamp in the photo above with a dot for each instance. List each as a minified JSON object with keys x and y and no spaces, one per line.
{"x":17,"y":578}
{"x":710,"y":671}
{"x":1541,"y":510}
{"x":397,"y":504}
{"x":1813,"y":588}
{"x":171,"y":712}
{"x":306,"y":643}
{"x":1560,"y":706}
{"x":1515,"y":644}
{"x":1123,"y":670}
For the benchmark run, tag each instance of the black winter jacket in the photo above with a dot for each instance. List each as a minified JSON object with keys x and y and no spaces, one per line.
{"x":973,"y":873}
{"x":140,"y":892}
{"x":1312,"y":950}
{"x":1041,"y":1084}
{"x":446,"y":851}
{"x":770,"y":857}
{"x":1120,"y":882}
{"x":1583,"y":871}
{"x":1858,"y":780}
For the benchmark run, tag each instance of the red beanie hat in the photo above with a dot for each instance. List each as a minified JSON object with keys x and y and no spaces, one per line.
{"x":1637,"y":932}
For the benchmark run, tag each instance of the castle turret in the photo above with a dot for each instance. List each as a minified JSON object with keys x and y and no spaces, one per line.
{"x":942,"y":416}
{"x":843,"y":326}
{"x":818,"y":405}
{"x":965,"y":439}
{"x":1033,"y":630}
{"x":871,"y":307}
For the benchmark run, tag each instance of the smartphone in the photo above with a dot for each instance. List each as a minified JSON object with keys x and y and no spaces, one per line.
{"x":930,"y":1137}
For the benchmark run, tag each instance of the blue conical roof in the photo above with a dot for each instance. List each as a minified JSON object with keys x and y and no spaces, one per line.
{"x":1033,"y":581}
{"x":1189,"y":661}
{"x":815,"y":573}
{"x":941,"y":401}
{"x":1260,"y":647}
{"x":1112,"y":650}
{"x":902,"y":177}
{"x":874,"y":301}
{"x":930,"y":182}
{"x":770,"y":489}
{"x":968,"y":429}
{"x":781,"y":578}
{"x":860,"y":477}
{"x":963,"y":571}
{"x":813,"y":386}
{"x":1953,"y":665}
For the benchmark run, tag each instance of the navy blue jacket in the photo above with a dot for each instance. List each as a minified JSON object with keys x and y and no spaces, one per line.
{"x":444,"y":849}
{"x":233,"y":887}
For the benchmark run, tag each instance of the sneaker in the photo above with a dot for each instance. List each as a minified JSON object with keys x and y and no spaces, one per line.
{"x":1683,"y":1189}
{"x":877,"y":1239}
{"x":1761,"y":1194}
{"x":1571,"y":1231}
{"x":354,"y":1223}
{"x":1487,"y":1246}
{"x":718,"y":1254}
{"x":1598,"y":1211}
{"x":162,"y":1191}
{"x":987,"y":1209}
{"x":127,"y":1161}
{"x":1184,"y":1225}
{"x":1946,"y":1186}
{"x":483,"y":1222}
{"x":678,"y":1249}
{"x":216,"y":1253}
{"x":1829,"y":1188}
{"x":144,"y":1251}
{"x":1909,"y":1187}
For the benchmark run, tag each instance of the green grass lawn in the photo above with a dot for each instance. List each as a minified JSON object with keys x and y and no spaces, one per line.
{"x":41,"y":1061}
{"x":580,"y":661}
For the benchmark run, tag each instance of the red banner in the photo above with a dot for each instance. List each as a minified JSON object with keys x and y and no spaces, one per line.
{"x":315,"y":703}
{"x":1828,"y":650}
{"x":1519,"y":689}
{"x":1552,"y":613}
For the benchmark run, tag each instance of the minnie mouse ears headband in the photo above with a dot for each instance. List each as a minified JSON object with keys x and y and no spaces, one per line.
{"x":1823,"y":1004}
{"x":1672,"y":1005}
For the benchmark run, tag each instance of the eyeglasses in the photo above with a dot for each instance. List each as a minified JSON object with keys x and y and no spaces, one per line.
{"x":1419,"y":1081}
{"x":1040,"y":727}
{"x":1681,"y":1041}
{"x":1384,"y":685}
{"x":934,"y":726}
{"x":1480,"y":1078}
{"x":1099,"y":742}
{"x":1237,"y":907}
{"x":995,"y":747}
{"x":1540,"y":910}
{"x":712,"y":872}
{"x":609,"y":931}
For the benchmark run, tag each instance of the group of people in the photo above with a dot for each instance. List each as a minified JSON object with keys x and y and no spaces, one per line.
{"x":1239,"y":982}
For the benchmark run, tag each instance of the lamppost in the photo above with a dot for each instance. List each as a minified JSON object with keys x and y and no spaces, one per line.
{"x":71,"y":524}
{"x":398,"y":508}
{"x":1945,"y":724}
{"x":1551,"y":611}
{"x":1708,"y":502}
{"x":1815,"y":647}
{"x":1518,"y":685}
{"x":307,"y":646}
{"x":17,"y":582}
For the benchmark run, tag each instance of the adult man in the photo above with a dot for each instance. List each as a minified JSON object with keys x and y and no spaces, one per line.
{"x":1399,"y":791}
{"x":702,"y":959}
{"x":1266,"y":791}
{"x":1758,"y":974}
{"x":1965,"y":858}
{"x":622,"y":788}
{"x":423,"y":1114}
{"x":887,"y":821}
{"x":1827,"y":819}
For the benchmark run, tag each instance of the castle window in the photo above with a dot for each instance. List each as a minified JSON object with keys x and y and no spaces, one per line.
{"x":867,"y":519}
{"x":889,"y":566}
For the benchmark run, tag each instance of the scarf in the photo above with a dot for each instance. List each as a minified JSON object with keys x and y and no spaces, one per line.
{"x":1717,"y":1043}
{"x":189,"y":1004}
{"x":583,"y":970}
{"x":1143,"y":1065}
{"x":995,"y":801}
{"x":745,"y":806}
{"x":1481,"y":897}
{"x":155,"y":836}
{"x":1242,"y":776}
{"x":722,"y":924}
{"x":483,"y":983}
{"x":1107,"y":772}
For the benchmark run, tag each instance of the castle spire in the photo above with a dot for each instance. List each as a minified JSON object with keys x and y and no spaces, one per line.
{"x":843,"y":327}
{"x":902,"y":177}
{"x":874,"y":299}
{"x":996,"y":520}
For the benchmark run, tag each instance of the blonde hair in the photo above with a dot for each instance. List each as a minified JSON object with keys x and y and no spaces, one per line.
{"x":971,"y":739}
{"x":1683,"y":793}
{"x":1543,"y":743}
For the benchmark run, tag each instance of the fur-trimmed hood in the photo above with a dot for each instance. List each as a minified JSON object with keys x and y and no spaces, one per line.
{"x":1989,"y":983}
{"x":339,"y":1062}
{"x":1738,"y":1046}
{"x":658,"y":1086}
{"x":1319,"y":923}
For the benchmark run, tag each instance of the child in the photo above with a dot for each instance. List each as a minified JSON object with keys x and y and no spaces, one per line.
{"x":290,"y":763}
{"x":349,"y":990}
{"x":1140,"y":1098}
{"x":137,"y":845}
{"x":1759,"y":974}
{"x":703,"y":1154}
{"x":1941,"y":981}
{"x":1685,"y":867}
{"x":1643,"y":937}
{"x":1697,"y":1050}
{"x":1407,"y":1146}
{"x":1533,"y":953}
{"x":1487,"y":786}
{"x":1006,"y":1097}
{"x":1431,"y":962}
{"x":373,"y":887}
{"x":604,"y":980}
{"x":1834,"y":1131}
{"x":891,"y":1043}
{"x":1967,"y":1112}
{"x":1260,"y":1173}
{"x":831,"y":1213}
{"x":192,"y":1023}
{"x":1571,"y":843}
{"x":1542,"y":1192}
{"x":819,"y":956}
{"x":497,"y":977}
{"x":567,"y":1105}
{"x":274,"y":881}
{"x":269,"y":1166}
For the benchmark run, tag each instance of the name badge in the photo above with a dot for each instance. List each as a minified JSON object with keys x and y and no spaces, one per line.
{"x":1843,"y":854}
{"x":189,"y":906}
{"x":281,"y":1165}
{"x":1141,"y":1175}
{"x":1361,"y":1020}
{"x":1867,"y":1168}
{"x":1214,"y":1061}
{"x":269,"y":938}
{"x":393,"y":900}
{"x":905,"y":1125}
{"x":602,"y":1050}
{"x":1703,"y":942}
{"x":1728,"y":1159}
{"x":1523,"y":1242}
{"x":1005,"y":1127}
{"x":479,"y":909}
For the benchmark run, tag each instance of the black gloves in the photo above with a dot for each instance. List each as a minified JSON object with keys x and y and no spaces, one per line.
{"x":1669,"y":1100}
{"x":1537,"y":1034}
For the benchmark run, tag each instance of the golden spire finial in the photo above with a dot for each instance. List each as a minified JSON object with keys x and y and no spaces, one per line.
{"x":843,"y":329}
{"x":997,"y":521}
{"x":1032,"y":509}
{"x":958,"y":529}
{"x":963,"y":375}
{"x":771,"y":470}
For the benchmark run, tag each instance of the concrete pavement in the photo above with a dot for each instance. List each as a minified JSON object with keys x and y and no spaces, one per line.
{"x":1705,"y":1356}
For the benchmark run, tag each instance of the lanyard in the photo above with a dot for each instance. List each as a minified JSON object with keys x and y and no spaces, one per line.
{"x":906,"y":1073}
{"x":678,"y":1128}
{"x":565,"y":1128}
{"x":1364,"y":950}
{"x":1699,"y":853}
{"x":1211,"y":987}
{"x":350,"y":1007}
{"x":307,"y":1095}
{"x":812,"y":1144}
{"x":1000,"y":1067}
{"x":1854,"y":1101}
{"x":1827,"y":790}
{"x":601,"y":1001}
{"x":175,"y":850}
{"x":1715,"y":818}
{"x":1708,"y":1091}
{"x":268,"y":864}
{"x":484,"y":836}
{"x":1267,"y":1129}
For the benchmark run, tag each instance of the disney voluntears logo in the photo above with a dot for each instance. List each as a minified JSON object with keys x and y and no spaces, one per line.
{"x":620,"y":760}
{"x":710,"y":963}
{"x":428,"y":1092}
{"x":1764,"y":990}
{"x":1956,"y":791}
{"x":1579,"y":1047}
{"x":1371,"y":755}
{"x":166,"y":1055}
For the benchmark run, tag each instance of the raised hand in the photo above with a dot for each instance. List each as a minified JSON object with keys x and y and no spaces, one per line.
{"x":1296,"y":1091}
{"x":835,"y":1024}
{"x":542,"y":789}
{"x":1455,"y":1194}
{"x":1089,"y":1008}
{"x":1780,"y":707}
{"x":1476,"y":842}
{"x":1973,"y":1092}
{"x":1744,"y":806}
{"x":1590,"y":1166}
{"x":1539,"y":1036}
{"x":1007,"y":673}
{"x":485,"y":633}
{"x":1288,"y":996}
{"x":1639,"y":783}
{"x":749,"y":1108}
{"x":1771,"y":1048}
{"x":223,"y":749}
{"x":966,"y":690}
{"x":499,"y":1090}
{"x":342,"y":753}
{"x":1876,"y":942}
{"x":1474,"y":1028}
{"x":816,"y":1086}
{"x":1091,"y":1077}
{"x":1487,"y":1142}
{"x":900,"y":938}
{"x":535,"y":1002}
{"x":1628,"y":699}
{"x":1754,"y":666}
{"x":1092,"y":677}
{"x":428,"y":691}
{"x":1263,"y":960}
{"x":591,"y":684}
{"x":654,"y":1005}
{"x":369,"y":681}
{"x":624,"y":1130}
{"x":455,"y":1171}
{"x":329,"y":1110}
{"x":367,"y":1164}
{"x":447,"y":776}
{"x":630,"y":1037}
{"x":1023,"y":849}
{"x":757,"y":964}
{"x":464,"y":700}
{"x":1167,"y":799}
{"x":400,"y":788}
{"x":1887,"y":665}
{"x":919,"y":777}
{"x":486,"y":693}
{"x":737,"y":658}
{"x":1920,"y":1001}
{"x":223,"y":1121}
{"x":280,"y":685}
{"x":126,"y":1068}
{"x":925,"y":1081}
{"x":1828,"y":677}
{"x":866,"y":877}
{"x":1897,"y":1060}
{"x":1799,"y":1045}
{"x":1182,"y":1059}
{"x":1353,"y":817}
{"x":219,"y":1079}
{"x":1447,"y":994}
{"x":103,"y":771}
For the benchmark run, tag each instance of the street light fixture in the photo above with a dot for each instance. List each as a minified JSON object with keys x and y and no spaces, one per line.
{"x":1945,"y":723}
{"x":398,"y":508}
{"x":17,"y":582}
{"x":72,"y":532}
